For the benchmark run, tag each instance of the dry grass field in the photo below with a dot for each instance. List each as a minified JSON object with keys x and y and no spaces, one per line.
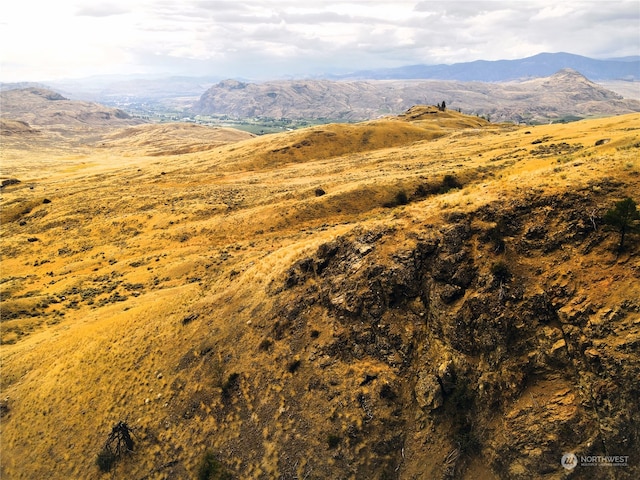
{"x":325,"y":303}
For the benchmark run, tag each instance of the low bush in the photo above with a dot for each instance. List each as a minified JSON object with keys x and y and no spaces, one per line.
{"x":293,"y":366}
{"x":400,"y":198}
{"x":449,"y":182}
{"x":500,"y":271}
{"x":333,"y":440}
{"x":105,"y":461}
{"x":211,"y":469}
{"x":232,"y":382}
{"x":623,"y":217}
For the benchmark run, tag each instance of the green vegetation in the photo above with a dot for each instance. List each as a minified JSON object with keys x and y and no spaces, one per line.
{"x":257,"y":125}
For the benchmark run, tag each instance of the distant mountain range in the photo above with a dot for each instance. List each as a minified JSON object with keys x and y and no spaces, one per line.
{"x":525,"y":90}
{"x":566,"y":95}
{"x":172,"y":92}
{"x":541,"y":65}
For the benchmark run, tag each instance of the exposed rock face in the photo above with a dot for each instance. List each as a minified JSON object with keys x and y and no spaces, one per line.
{"x":567,"y":93}
{"x":515,"y":368}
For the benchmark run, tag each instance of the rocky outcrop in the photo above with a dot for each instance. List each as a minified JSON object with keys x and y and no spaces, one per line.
{"x":491,"y":355}
{"x":567,"y":94}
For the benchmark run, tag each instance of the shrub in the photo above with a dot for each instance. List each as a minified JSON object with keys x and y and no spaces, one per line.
{"x":333,"y":440}
{"x":623,"y":217}
{"x":230,"y":384}
{"x":293,"y":366}
{"x":211,"y":469}
{"x":449,"y":182}
{"x":400,"y":198}
{"x":118,"y":444}
{"x":500,"y":271}
{"x":424,"y":190}
{"x":387,"y":392}
{"x":105,"y":460}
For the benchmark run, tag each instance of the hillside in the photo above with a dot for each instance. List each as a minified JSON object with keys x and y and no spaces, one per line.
{"x":42,"y":107}
{"x":170,"y":139}
{"x":566,"y":94}
{"x":427,"y":296}
{"x":15,"y":127}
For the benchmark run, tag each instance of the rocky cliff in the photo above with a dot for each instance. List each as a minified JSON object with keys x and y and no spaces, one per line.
{"x":474,"y":339}
{"x":565,"y":94}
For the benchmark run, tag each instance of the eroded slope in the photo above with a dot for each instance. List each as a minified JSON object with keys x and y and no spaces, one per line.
{"x":451,"y":307}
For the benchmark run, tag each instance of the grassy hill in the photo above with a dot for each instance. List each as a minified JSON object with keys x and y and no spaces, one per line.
{"x":424,"y":296}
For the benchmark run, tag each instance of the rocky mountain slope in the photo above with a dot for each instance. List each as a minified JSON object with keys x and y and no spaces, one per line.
{"x":44,"y":120}
{"x":564,"y":94}
{"x":426,"y":296}
{"x":46,"y":108}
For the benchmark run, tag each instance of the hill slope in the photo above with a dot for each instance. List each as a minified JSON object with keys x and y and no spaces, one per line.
{"x":42,"y":107}
{"x":171,"y":138}
{"x":448,"y":307}
{"x":565,"y":94}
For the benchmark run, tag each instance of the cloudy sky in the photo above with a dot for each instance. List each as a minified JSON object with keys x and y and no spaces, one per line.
{"x":260,"y":39}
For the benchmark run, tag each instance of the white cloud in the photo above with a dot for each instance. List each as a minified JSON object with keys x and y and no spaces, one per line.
{"x":101,"y":10}
{"x":554,"y":11}
{"x":260,"y":38}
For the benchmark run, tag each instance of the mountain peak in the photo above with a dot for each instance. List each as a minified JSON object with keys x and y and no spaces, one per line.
{"x":568,"y":73}
{"x":570,"y":76}
{"x":231,"y":84}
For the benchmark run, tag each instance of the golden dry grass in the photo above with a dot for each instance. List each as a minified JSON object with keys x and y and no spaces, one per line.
{"x":98,"y":285}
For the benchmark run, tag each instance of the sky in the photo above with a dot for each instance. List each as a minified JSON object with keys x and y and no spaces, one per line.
{"x":258,"y":39}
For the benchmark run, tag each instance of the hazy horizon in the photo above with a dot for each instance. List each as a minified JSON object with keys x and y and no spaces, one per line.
{"x":259,"y":40}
